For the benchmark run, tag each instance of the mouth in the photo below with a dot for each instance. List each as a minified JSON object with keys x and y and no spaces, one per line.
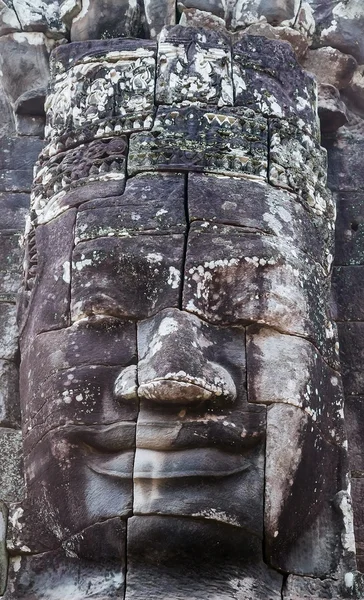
{"x":197,"y":462}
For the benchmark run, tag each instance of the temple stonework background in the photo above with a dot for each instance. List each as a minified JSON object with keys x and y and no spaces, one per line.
{"x":181,"y":299}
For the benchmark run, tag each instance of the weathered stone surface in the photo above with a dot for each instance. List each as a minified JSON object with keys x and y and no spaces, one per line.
{"x":354,"y":421}
{"x":11,"y":474}
{"x":8,"y":331}
{"x":297,"y":40}
{"x":24,"y":64}
{"x":355,"y":91}
{"x":239,"y":278}
{"x":199,"y":369}
{"x":101,"y":458}
{"x":69,"y":9}
{"x":194,"y":139}
{"x":17,"y":158}
{"x":9,"y":394}
{"x":305,"y":21}
{"x":46,"y":299}
{"x":9,"y":22}
{"x":357,"y":492}
{"x":351,"y":336}
{"x":52,"y":574}
{"x":180,"y":558}
{"x":289,"y":370}
{"x":100,"y":91}
{"x":158,"y":14}
{"x":131,"y":277}
{"x":348,"y":291}
{"x":75,"y":382}
{"x":151,"y":203}
{"x":39,"y":15}
{"x":331,"y":109}
{"x":345,"y":163}
{"x":331,"y":66}
{"x":298,"y":163}
{"x":14,"y":209}
{"x":193,"y":17}
{"x":268,"y":79}
{"x":340,"y":25}
{"x":3,"y":550}
{"x":193,"y":67}
{"x":261,"y":208}
{"x":94,"y":170}
{"x":312,"y":542}
{"x":11,"y":256}
{"x":108,"y":19}
{"x":302,"y":588}
{"x":175,"y":378}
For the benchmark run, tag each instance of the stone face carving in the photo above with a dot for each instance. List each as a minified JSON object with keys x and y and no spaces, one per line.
{"x":178,"y":361}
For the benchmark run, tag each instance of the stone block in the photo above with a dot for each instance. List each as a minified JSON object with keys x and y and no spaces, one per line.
{"x":3,"y":550}
{"x":302,"y":588}
{"x":40,"y":15}
{"x":262,"y":208}
{"x":269,"y":80}
{"x":70,"y":375}
{"x":349,"y":234}
{"x":9,"y":22}
{"x":351,"y":336}
{"x":151,"y":203}
{"x":25,"y":70}
{"x":159,"y":14}
{"x":332,"y":110}
{"x":17,"y":158}
{"x":295,"y":38}
{"x":9,"y":394}
{"x":14,"y":209}
{"x":11,"y":475}
{"x":100,"y":575}
{"x":11,"y":255}
{"x":193,"y":139}
{"x":101,"y":90}
{"x":231,"y":277}
{"x":289,"y":370}
{"x":130,"y":277}
{"x":348,"y":291}
{"x":195,"y":558}
{"x":354,"y":422}
{"x":100,"y":457}
{"x":357,"y":494}
{"x":102,"y":19}
{"x":193,"y":67}
{"x":340,"y":26}
{"x":345,"y":172}
{"x":8,"y":331}
{"x":46,"y":295}
{"x":94,"y":170}
{"x":298,"y":163}
{"x":305,"y":519}
{"x":331,"y":66}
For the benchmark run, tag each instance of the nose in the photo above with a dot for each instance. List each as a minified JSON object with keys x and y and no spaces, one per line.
{"x":176,"y":365}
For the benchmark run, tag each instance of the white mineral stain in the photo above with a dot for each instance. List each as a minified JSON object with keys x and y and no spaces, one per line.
{"x":66,"y":272}
{"x":174,"y":278}
{"x":168,"y":326}
{"x":154,"y":257}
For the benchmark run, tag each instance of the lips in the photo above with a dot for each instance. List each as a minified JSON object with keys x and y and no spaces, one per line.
{"x":197,"y":462}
